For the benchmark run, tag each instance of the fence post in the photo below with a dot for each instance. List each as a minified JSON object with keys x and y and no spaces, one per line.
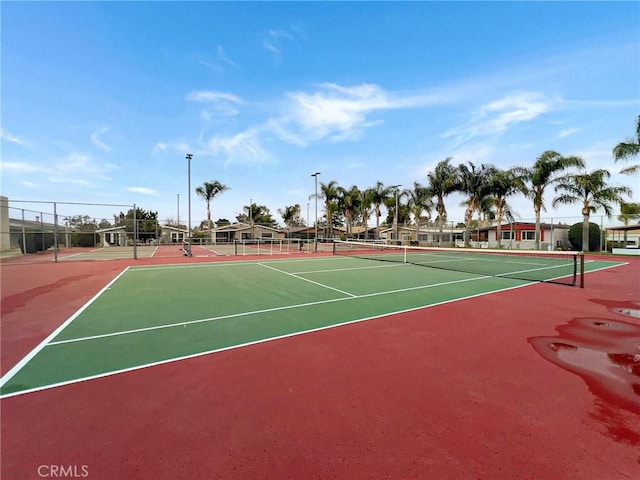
{"x":55,"y":233}
{"x":135,"y":234}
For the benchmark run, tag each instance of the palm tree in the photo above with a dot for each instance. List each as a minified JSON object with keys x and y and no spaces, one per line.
{"x":329,"y":192}
{"x":349,"y":203}
{"x":545,"y":171}
{"x":366,"y":201}
{"x":401,"y":214}
{"x":442,"y":181}
{"x":629,"y":211}
{"x":503,"y":184}
{"x":290,"y":216}
{"x":208,"y":191}
{"x":629,"y":149}
{"x":419,"y":201}
{"x":592,"y":191}
{"x":379,"y":194}
{"x":473,"y":183}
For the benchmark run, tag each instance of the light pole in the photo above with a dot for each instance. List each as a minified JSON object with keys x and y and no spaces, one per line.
{"x":178,"y":220}
{"x":395,"y":216}
{"x":189,"y":157}
{"x":251,"y":216}
{"x":315,"y":240}
{"x":307,"y":227}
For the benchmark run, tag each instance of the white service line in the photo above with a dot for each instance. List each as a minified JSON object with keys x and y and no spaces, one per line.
{"x":265,"y":310}
{"x":307,"y":280}
{"x":270,"y":339}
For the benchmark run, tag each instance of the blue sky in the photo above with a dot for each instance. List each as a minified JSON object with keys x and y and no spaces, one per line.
{"x":101,"y":101}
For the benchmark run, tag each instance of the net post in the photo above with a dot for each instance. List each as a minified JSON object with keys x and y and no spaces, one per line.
{"x":581,"y":260}
{"x":333,"y":248}
{"x":405,"y":254}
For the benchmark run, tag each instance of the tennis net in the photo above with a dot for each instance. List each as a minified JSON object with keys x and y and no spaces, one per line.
{"x":565,"y":268}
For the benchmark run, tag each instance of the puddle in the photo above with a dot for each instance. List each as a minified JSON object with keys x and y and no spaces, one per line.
{"x":605,"y":353}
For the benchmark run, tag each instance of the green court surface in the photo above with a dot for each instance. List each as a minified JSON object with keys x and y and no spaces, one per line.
{"x":157,"y":314}
{"x":108,"y":253}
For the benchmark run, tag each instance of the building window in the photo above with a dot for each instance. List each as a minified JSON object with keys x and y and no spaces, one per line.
{"x":508,"y":235}
{"x":529,"y":235}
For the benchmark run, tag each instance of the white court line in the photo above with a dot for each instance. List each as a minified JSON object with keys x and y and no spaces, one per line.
{"x":266,"y":310}
{"x":18,"y":366}
{"x":44,"y":343}
{"x":307,"y":280}
{"x":170,"y":266}
{"x":264,"y":340}
{"x":389,"y":265}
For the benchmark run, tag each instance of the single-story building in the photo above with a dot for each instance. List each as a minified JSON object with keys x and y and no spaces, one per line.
{"x":170,"y":234}
{"x":517,"y":235}
{"x":424,"y":235}
{"x":243,"y":231}
{"x":522,"y":235}
{"x":624,"y":239}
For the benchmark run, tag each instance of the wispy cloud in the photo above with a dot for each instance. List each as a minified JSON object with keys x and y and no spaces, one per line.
{"x":13,"y":138}
{"x":218,"y":104}
{"x":243,"y":148}
{"x":220,"y":63}
{"x":326,"y":112}
{"x":172,"y":146}
{"x":568,"y":132}
{"x":224,"y":58}
{"x":144,"y":191}
{"x":97,"y":141}
{"x":273,"y":40}
{"x":74,"y":169}
{"x":79,"y":169}
{"x":494,"y":118}
{"x":19,"y":167}
{"x":336,"y":112}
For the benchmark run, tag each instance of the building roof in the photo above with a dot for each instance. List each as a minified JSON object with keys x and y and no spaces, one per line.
{"x":624,"y":228}
{"x":236,"y":227}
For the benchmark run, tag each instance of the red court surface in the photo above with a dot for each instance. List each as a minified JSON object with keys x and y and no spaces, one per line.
{"x":455,"y":391}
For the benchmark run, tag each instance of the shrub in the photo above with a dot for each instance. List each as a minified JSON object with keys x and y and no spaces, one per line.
{"x":35,"y":242}
{"x":575,"y":236}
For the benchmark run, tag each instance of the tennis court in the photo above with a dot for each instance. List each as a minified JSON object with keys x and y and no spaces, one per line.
{"x":150,"y":315}
{"x":107,"y":253}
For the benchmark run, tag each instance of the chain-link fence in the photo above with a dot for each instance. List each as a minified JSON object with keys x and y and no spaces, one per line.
{"x":31,"y":227}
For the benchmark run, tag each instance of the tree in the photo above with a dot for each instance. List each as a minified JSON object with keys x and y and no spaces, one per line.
{"x":146,"y":223}
{"x":366,"y":201}
{"x":379,"y":194}
{"x":503,"y":184}
{"x":629,"y":149}
{"x":592,"y":191}
{"x":545,"y":171}
{"x":208,"y":191}
{"x":329,"y":192}
{"x":349,"y":204}
{"x":442,"y":181}
{"x":629,"y":212}
{"x":291,"y":216}
{"x":419,"y":201}
{"x":256,"y":215}
{"x":475,"y":185}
